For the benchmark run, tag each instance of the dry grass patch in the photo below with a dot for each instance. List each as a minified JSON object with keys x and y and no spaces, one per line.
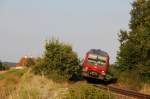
{"x":37,"y":87}
{"x":82,"y":90}
{"x":145,"y":89}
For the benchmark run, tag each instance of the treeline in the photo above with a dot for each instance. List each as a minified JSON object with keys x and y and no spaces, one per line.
{"x":134,"y":53}
{"x":3,"y":67}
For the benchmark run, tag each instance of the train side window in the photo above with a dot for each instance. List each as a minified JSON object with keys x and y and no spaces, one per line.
{"x":91,"y":61}
{"x":101,"y":62}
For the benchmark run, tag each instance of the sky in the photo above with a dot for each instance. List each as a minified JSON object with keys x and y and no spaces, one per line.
{"x":85,"y":24}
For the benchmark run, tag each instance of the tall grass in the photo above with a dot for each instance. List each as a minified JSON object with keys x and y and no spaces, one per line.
{"x":9,"y":81}
{"x":19,"y":85}
{"x":30,"y":86}
{"x":132,"y":80}
{"x":86,"y":91}
{"x":35,"y":87}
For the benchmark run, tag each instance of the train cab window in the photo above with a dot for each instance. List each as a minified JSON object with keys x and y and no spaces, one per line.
{"x":96,"y":60}
{"x":101,"y":61}
{"x":91,"y":61}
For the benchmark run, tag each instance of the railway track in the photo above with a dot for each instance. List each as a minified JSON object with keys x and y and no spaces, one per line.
{"x":126,"y":92}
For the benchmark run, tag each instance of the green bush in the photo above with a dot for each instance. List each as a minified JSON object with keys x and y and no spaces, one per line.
{"x":134,"y":79}
{"x":86,"y":91}
{"x":30,"y":62}
{"x":3,"y":67}
{"x":58,"y":58}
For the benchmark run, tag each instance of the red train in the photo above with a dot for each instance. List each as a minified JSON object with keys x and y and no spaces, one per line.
{"x":96,"y":65}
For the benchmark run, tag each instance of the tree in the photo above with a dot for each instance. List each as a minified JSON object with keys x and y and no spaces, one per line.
{"x":59,"y":58}
{"x":30,"y":62}
{"x":1,"y":66}
{"x":135,"y":44}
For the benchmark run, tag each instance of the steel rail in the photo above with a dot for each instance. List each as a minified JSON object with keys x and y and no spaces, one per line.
{"x":126,"y":92}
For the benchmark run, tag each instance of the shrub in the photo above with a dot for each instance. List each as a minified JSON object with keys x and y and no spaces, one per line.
{"x":134,"y":79}
{"x":59,"y":58}
{"x":30,"y":62}
{"x":86,"y":91}
{"x":3,"y":67}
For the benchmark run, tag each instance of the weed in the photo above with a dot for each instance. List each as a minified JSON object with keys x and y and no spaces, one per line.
{"x":2,"y":76}
{"x":86,"y":91}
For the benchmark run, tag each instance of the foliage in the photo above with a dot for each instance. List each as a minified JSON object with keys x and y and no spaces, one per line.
{"x":59,"y":58}
{"x":3,"y":67}
{"x":86,"y":91}
{"x":135,"y":44}
{"x":30,"y":62}
{"x":32,"y":86}
{"x":131,"y":79}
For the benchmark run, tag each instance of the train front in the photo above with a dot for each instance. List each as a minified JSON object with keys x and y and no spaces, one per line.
{"x":96,"y":65}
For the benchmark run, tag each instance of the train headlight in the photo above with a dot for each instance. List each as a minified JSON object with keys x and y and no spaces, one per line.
{"x":85,"y":69}
{"x":103,"y":73}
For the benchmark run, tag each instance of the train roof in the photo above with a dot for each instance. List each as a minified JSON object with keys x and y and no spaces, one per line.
{"x":98,"y":52}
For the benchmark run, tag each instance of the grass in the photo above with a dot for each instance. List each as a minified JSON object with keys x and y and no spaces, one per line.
{"x":9,"y":81}
{"x":22,"y":84}
{"x":37,"y":87}
{"x":86,"y":91}
{"x":11,"y":77}
{"x":145,"y":88}
{"x":17,"y":72}
{"x":2,"y":76}
{"x":132,"y":80}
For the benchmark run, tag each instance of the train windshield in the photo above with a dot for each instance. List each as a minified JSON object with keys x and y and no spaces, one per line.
{"x":96,"y":60}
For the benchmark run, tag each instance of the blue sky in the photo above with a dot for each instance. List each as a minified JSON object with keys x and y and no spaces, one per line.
{"x":85,"y":24}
